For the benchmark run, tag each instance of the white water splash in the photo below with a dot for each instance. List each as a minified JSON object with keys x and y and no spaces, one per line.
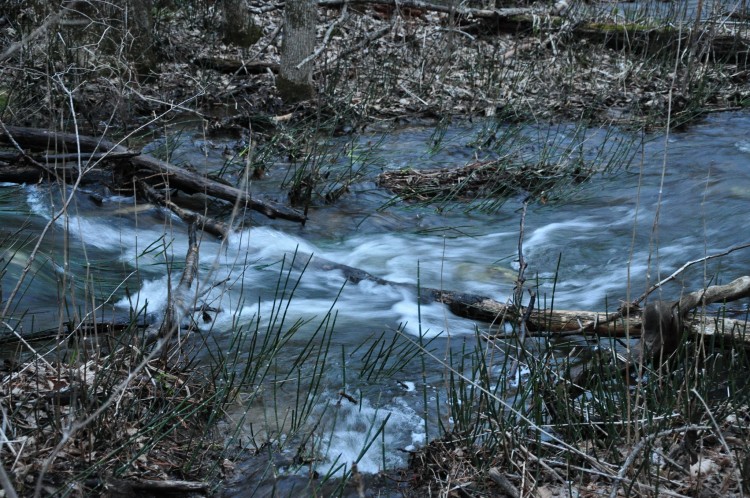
{"x":348,"y":430}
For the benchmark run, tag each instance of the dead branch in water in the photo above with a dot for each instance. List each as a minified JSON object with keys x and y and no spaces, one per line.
{"x":144,"y":167}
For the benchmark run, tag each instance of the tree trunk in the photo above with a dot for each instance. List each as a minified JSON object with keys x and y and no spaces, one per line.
{"x":295,"y":81}
{"x":238,"y":28}
{"x":140,"y":30}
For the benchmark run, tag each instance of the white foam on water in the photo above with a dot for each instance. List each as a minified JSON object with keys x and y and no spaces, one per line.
{"x":522,"y":373}
{"x":101,"y":233}
{"x":432,"y":261}
{"x":429,"y":320}
{"x":241,"y":259}
{"x":152,"y":296}
{"x":266,"y":242}
{"x":127,"y":200}
{"x":743,"y":146}
{"x":586,"y":285}
{"x":38,"y":204}
{"x":545,"y":235}
{"x":347,"y":429}
{"x":252,"y":260}
{"x":98,"y":234}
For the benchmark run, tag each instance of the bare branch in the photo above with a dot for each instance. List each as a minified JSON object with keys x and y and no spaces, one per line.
{"x":688,"y":265}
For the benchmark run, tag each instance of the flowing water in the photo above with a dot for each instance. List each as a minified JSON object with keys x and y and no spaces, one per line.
{"x":661,"y":202}
{"x":714,"y":9}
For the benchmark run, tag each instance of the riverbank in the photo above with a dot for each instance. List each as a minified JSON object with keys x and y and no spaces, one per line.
{"x":378,"y":64}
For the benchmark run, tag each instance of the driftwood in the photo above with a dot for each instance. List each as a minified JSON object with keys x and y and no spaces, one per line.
{"x":737,"y":289}
{"x":145,"y":167}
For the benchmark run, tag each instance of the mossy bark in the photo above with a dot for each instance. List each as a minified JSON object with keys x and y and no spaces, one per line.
{"x":294,"y":92}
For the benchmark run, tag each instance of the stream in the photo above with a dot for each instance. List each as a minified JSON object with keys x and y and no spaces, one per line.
{"x":660,"y":203}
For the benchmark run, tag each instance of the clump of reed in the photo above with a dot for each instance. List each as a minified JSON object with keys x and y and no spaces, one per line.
{"x":560,"y":416}
{"x":118,"y":410}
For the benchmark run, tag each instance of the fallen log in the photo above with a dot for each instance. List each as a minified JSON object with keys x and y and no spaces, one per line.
{"x":117,"y":488}
{"x":28,"y":173}
{"x":180,"y":300}
{"x":568,"y":322}
{"x":486,"y":309}
{"x":448,"y":8}
{"x":192,"y":183}
{"x":22,"y":173}
{"x":63,"y":158}
{"x":146,"y":168}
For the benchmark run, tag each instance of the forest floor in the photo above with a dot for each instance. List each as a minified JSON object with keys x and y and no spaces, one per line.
{"x":378,"y":66}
